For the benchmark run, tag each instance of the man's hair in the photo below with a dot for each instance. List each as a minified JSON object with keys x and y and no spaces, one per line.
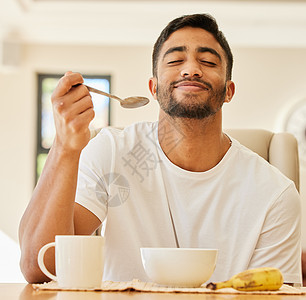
{"x":204,"y":21}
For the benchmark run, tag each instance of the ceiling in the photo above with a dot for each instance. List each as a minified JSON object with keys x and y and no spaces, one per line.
{"x":100,"y":22}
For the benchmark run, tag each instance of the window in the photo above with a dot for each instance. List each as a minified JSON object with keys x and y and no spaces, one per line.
{"x":45,"y":124}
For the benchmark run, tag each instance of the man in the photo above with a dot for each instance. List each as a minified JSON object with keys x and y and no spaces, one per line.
{"x":179,"y":182}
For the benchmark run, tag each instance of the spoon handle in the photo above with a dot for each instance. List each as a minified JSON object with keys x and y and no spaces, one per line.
{"x":93,"y":90}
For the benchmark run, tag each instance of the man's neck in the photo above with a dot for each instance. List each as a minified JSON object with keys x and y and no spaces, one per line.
{"x":193,"y":145}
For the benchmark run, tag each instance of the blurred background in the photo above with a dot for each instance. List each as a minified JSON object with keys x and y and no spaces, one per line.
{"x":113,"y":40}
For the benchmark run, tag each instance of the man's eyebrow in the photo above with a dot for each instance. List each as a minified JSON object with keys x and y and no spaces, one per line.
{"x":175,"y":49}
{"x":199,"y":49}
{"x":210,"y":50}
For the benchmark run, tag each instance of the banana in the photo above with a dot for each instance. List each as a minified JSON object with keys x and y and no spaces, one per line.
{"x":259,"y":279}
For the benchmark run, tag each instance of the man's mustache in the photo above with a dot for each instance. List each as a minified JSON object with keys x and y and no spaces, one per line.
{"x":207,"y":84}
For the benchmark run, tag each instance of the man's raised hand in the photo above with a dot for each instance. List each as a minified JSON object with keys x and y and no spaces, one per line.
{"x":73,"y":111}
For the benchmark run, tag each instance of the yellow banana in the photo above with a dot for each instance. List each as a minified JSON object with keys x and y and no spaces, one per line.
{"x":259,"y":279}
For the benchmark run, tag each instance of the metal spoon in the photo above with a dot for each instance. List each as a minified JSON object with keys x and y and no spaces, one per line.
{"x":129,"y":102}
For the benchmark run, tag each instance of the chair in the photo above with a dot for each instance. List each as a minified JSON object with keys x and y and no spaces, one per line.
{"x":279,"y":149}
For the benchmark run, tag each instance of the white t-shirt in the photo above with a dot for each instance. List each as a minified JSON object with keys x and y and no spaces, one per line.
{"x":243,"y":206}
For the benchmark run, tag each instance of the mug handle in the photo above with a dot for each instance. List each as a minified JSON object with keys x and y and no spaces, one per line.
{"x":41,"y":263}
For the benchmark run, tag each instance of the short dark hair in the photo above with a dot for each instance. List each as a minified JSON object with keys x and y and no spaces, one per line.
{"x":204,"y":21}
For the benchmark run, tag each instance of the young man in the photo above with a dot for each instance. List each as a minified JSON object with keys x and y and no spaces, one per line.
{"x":178,"y":182}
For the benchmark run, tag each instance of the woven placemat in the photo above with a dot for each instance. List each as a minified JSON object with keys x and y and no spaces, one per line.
{"x":139,"y":286}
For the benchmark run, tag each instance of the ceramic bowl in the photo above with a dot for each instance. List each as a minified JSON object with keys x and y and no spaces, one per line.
{"x":179,"y":267}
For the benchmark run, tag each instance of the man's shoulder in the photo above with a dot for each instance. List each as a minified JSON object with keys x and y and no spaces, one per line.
{"x":135,"y":128}
{"x":252,"y":163}
{"x":127,"y":137}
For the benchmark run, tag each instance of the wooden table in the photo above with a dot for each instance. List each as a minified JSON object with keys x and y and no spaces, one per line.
{"x":21,"y":291}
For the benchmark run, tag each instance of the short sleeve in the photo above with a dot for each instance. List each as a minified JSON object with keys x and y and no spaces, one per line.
{"x":95,"y":162}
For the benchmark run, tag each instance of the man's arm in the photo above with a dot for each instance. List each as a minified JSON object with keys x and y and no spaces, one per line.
{"x":279,"y":244}
{"x":52,"y":209}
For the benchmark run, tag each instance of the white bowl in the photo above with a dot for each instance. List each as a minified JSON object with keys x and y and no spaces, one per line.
{"x":179,"y":267}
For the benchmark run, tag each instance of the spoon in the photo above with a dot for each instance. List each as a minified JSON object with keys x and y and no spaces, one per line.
{"x":129,"y":102}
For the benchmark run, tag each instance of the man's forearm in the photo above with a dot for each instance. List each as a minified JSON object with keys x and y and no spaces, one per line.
{"x":50,"y":211}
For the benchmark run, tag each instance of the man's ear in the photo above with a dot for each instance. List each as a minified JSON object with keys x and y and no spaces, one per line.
{"x":230,"y":91}
{"x":153,"y":86}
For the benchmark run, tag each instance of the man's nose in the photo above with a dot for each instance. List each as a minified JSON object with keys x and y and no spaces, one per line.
{"x":191,"y":69}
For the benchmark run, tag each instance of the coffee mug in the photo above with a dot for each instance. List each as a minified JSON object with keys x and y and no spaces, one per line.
{"x":79,"y":261}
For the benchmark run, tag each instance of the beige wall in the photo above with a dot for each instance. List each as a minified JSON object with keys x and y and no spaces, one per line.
{"x":268,"y":82}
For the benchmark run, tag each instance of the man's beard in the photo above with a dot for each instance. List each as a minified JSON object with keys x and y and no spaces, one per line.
{"x":189,"y":109}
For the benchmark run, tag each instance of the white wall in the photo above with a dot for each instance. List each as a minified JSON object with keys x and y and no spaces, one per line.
{"x":268,"y":82}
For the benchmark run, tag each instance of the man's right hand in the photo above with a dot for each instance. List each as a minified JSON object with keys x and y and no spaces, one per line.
{"x":73,"y":111}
